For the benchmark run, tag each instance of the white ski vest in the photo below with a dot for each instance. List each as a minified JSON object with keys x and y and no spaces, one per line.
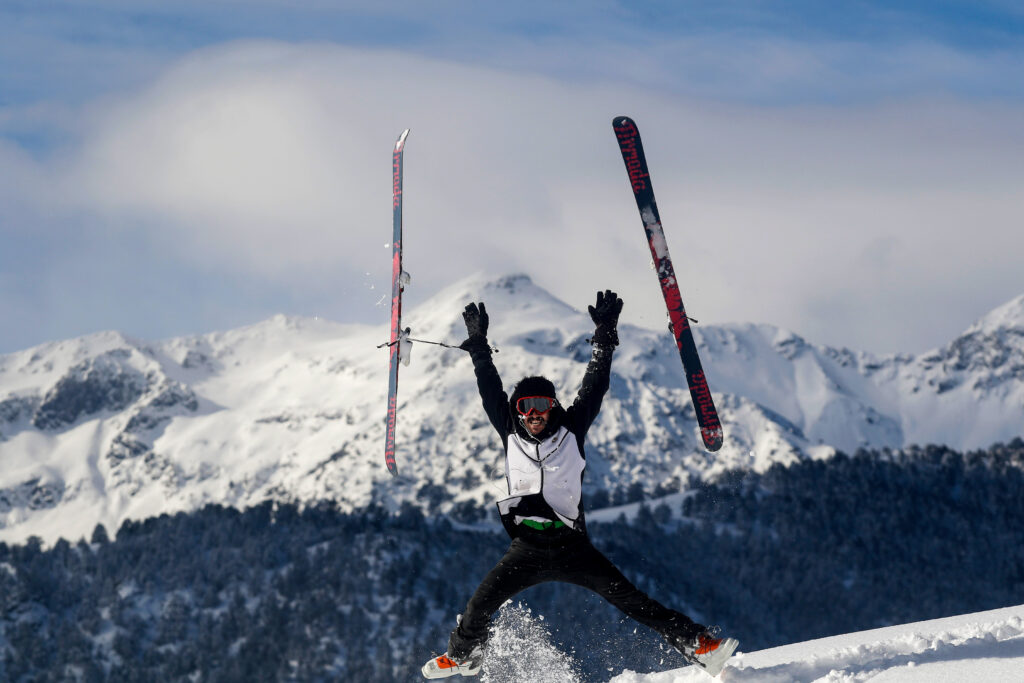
{"x":552,"y":468}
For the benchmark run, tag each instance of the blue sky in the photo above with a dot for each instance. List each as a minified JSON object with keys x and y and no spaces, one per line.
{"x":850,"y":171}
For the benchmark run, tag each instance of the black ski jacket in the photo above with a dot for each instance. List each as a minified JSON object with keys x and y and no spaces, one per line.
{"x":577,"y":418}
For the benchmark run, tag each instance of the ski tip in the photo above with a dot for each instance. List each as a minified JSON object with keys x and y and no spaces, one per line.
{"x":620,"y":121}
{"x":713,"y":438}
{"x":401,"y":139}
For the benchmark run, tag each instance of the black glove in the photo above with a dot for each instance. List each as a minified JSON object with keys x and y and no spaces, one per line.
{"x":476,"y":319}
{"x":606,"y":316}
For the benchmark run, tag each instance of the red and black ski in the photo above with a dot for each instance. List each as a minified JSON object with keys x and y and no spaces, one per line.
{"x":398,"y":280}
{"x":640,"y":178}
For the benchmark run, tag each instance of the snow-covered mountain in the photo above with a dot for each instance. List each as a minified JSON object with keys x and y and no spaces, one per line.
{"x":103,"y":428}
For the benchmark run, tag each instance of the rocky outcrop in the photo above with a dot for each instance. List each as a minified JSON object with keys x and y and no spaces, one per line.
{"x":106,"y":382}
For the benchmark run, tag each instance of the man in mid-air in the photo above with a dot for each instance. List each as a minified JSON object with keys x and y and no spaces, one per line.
{"x":543,"y":513}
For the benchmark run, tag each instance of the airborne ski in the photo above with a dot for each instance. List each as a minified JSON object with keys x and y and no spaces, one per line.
{"x":399,"y":278}
{"x":640,"y":179}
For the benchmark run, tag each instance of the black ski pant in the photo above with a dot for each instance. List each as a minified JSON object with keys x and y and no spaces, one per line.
{"x":530,"y":561}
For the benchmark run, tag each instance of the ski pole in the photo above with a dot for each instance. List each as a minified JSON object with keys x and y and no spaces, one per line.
{"x":435,"y":343}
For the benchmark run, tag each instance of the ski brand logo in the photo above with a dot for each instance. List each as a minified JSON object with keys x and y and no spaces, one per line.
{"x":702,"y":395}
{"x":389,"y":454}
{"x":627,"y":134}
{"x":397,"y":166}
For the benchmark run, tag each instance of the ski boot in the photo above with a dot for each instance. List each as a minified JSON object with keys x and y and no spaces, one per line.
{"x":444,"y":666}
{"x":707,"y":650}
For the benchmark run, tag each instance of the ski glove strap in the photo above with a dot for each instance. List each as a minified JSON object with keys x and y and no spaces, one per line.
{"x":476,"y":344}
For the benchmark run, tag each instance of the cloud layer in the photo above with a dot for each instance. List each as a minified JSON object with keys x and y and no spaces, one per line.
{"x":256,"y":176}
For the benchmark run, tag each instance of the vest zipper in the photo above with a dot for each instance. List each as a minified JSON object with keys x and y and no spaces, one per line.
{"x":541,"y":464}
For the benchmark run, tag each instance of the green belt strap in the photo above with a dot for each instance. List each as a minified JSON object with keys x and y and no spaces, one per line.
{"x":541,"y":526}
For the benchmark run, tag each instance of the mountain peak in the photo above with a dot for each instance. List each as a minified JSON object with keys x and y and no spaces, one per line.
{"x":510,"y":284}
{"x":1009,"y":316}
{"x":513,"y":297}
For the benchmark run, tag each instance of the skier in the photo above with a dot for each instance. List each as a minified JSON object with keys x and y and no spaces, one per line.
{"x":543,"y":513}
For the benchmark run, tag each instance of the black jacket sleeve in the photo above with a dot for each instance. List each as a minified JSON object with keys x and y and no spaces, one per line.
{"x":492,"y":394}
{"x":583,"y":411}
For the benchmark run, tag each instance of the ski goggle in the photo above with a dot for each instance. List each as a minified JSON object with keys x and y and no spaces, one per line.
{"x":528,"y":405}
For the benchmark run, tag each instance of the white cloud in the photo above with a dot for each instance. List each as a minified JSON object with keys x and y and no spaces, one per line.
{"x":887,"y":226}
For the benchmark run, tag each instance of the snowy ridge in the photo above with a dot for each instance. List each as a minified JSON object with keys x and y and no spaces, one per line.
{"x":987,"y":646}
{"x":105,"y":427}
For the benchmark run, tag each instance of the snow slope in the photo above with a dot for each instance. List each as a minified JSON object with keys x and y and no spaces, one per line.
{"x":984,"y":647}
{"x":105,"y":427}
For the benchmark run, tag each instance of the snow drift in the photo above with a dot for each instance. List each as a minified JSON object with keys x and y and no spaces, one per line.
{"x":987,"y":646}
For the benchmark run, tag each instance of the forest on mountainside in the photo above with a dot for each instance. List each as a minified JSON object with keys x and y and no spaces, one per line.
{"x":276,"y":592}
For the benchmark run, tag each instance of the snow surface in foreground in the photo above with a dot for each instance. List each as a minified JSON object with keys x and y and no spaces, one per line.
{"x":986,"y":646}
